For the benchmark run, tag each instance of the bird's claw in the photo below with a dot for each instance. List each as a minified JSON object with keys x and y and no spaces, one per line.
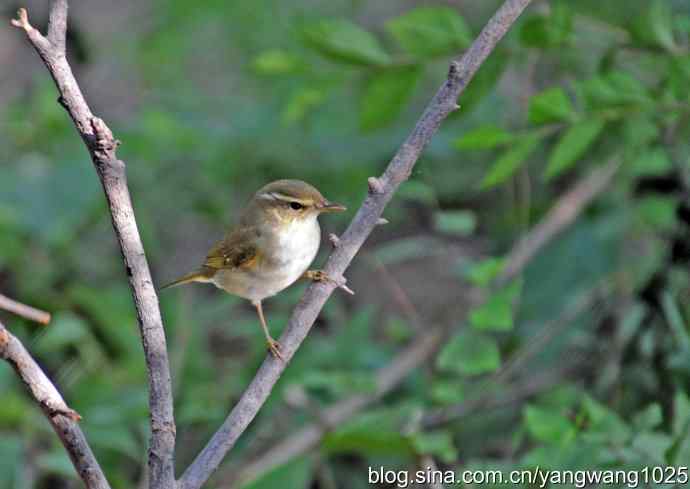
{"x":321,"y":276}
{"x":274,"y":349}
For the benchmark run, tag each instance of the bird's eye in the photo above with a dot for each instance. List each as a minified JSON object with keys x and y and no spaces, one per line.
{"x":296,"y":206}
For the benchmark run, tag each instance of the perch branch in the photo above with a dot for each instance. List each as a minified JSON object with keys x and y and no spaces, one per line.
{"x":421,"y":350}
{"x":27,"y":312}
{"x":381,"y":191}
{"x":60,"y":416}
{"x":102,"y":146}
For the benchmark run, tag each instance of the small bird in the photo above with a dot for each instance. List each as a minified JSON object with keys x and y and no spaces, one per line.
{"x":276,"y":240}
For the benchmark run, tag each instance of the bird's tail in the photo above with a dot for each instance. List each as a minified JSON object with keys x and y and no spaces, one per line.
{"x":198,"y":276}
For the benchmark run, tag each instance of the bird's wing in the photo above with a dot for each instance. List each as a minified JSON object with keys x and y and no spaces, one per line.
{"x":237,"y":250}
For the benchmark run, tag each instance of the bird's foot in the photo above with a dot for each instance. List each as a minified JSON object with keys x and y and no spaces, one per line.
{"x":322,"y":276}
{"x":274,"y":349}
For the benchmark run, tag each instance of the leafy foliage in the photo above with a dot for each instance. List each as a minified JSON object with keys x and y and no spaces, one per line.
{"x":213,"y":100}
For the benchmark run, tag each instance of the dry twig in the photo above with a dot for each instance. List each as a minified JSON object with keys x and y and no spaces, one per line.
{"x":27,"y":312}
{"x":102,"y":145}
{"x":61,"y":417}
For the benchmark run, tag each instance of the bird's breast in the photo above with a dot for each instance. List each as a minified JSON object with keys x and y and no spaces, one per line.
{"x":295,"y":247}
{"x":287,"y":254}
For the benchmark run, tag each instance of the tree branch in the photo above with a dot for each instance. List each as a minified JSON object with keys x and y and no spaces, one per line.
{"x":381,"y":191}
{"x":102,"y":146}
{"x":61,"y":417}
{"x":27,"y":312}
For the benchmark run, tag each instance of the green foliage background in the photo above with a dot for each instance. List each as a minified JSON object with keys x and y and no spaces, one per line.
{"x":213,"y":99}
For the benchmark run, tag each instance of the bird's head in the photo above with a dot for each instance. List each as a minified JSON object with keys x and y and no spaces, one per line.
{"x":293,"y":200}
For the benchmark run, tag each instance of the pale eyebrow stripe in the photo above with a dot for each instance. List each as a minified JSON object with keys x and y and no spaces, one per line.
{"x":287,"y":198}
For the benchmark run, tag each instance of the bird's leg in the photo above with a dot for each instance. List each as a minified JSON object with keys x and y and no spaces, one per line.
{"x":322,"y":276}
{"x":273,"y":345}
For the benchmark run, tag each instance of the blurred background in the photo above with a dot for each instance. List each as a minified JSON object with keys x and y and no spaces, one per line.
{"x":582,"y":360}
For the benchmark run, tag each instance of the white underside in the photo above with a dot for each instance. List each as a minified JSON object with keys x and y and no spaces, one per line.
{"x":295,"y":249}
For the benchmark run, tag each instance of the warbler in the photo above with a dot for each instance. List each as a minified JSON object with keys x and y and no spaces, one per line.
{"x":275,"y":241}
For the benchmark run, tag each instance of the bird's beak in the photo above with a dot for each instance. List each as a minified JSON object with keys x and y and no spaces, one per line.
{"x":327,"y":206}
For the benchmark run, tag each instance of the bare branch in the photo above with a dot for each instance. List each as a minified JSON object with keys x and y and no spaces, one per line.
{"x":27,"y":312}
{"x":111,"y":171}
{"x":57,"y":25}
{"x":61,"y":417}
{"x":381,"y":191}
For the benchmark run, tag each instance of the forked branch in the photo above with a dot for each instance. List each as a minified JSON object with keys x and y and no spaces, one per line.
{"x":102,"y":146}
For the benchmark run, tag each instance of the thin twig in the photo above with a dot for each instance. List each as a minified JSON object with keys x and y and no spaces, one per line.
{"x":381,"y":191}
{"x":27,"y":312}
{"x":102,"y":147}
{"x":62,"y":418}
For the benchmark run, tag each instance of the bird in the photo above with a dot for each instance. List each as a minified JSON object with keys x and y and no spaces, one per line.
{"x":271,"y":247}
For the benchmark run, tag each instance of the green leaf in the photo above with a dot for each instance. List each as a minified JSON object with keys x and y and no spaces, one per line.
{"x":638,"y":131}
{"x":651,"y":161}
{"x":341,"y":40}
{"x":616,"y":88}
{"x":430,"y":31}
{"x":445,"y":391}
{"x":496,"y":314}
{"x":551,"y":105}
{"x":655,"y":26}
{"x":651,"y":446}
{"x":485,"y":137}
{"x":438,"y":444}
{"x":675,"y":321}
{"x":548,"y":31}
{"x":681,"y":413}
{"x":658,"y":212}
{"x":510,"y":161}
{"x":649,"y":418}
{"x":604,"y":424}
{"x":572,"y":145}
{"x":277,"y":62}
{"x":680,"y":428}
{"x":339,"y":382}
{"x":295,"y":473}
{"x":469,"y":353}
{"x":385,"y":96}
{"x":300,"y":103}
{"x":546,"y":425}
{"x":483,"y":272}
{"x":373,"y":433}
{"x":461,"y":223}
